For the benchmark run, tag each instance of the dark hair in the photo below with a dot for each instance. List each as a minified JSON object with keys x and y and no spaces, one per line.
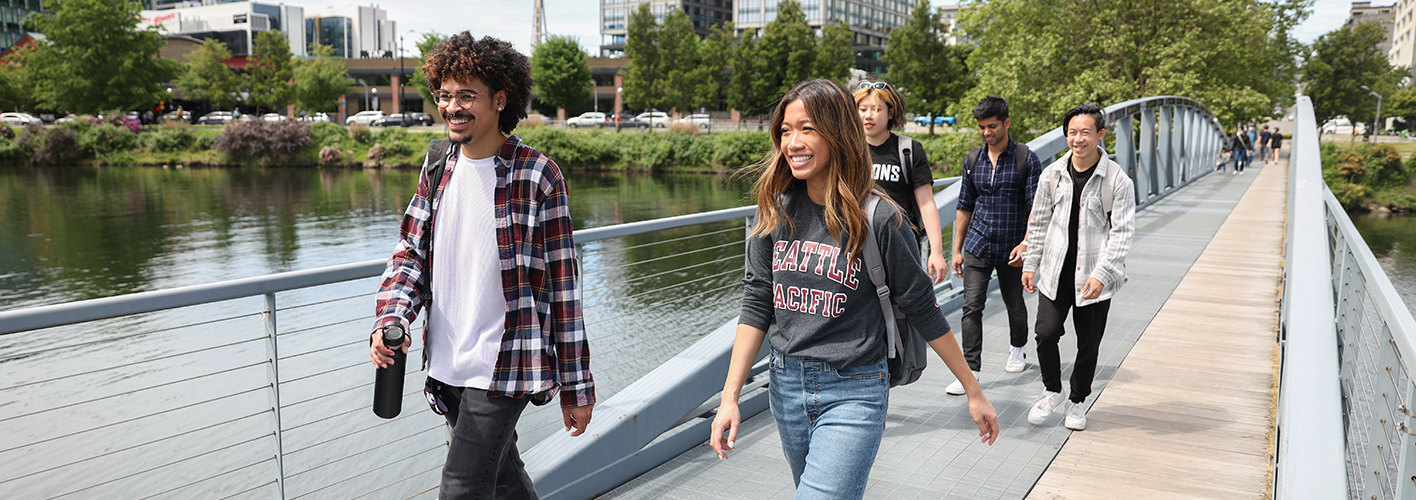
{"x":495,"y":62}
{"x":991,"y":107}
{"x":1098,"y":115}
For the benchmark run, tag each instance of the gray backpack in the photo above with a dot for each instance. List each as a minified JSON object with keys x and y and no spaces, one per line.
{"x":906,"y":351}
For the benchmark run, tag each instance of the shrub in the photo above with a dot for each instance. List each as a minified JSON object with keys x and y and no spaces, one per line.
{"x":325,"y":134}
{"x":6,"y":131}
{"x":361,"y":133}
{"x":530,"y":122}
{"x":203,"y":142}
{"x":736,"y":150}
{"x":57,"y":147}
{"x":330,"y":155}
{"x":390,"y":134}
{"x":105,"y":139}
{"x":168,"y":139}
{"x":283,"y":140}
{"x":11,"y":151}
{"x":946,"y":151}
{"x":685,"y":128}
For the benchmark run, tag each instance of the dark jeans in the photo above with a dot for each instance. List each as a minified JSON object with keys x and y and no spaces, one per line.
{"x":1090,"y":324}
{"x":1010,"y":286}
{"x":482,"y":460}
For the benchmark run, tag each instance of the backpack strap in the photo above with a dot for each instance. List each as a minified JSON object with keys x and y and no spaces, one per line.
{"x":875,"y":267}
{"x":1020,"y":159}
{"x":433,"y":167}
{"x":906,"y":149}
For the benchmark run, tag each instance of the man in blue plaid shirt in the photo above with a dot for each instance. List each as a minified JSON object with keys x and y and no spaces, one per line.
{"x":486,"y":251}
{"x":990,"y":227}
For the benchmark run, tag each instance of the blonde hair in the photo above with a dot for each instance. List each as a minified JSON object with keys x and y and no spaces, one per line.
{"x":889,"y":98}
{"x":847,"y":167}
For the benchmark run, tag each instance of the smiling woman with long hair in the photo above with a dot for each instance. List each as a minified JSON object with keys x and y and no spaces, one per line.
{"x":805,"y":282}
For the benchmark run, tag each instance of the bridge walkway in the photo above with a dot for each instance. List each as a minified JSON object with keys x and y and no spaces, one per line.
{"x":931,"y":448}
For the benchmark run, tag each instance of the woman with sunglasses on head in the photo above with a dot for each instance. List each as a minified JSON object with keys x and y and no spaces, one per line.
{"x":905,"y":177}
{"x":829,"y":388}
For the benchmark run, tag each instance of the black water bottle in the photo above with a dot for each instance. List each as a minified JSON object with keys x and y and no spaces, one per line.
{"x":388,"y":381}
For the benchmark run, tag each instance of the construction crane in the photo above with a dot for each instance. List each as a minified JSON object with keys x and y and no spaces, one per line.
{"x":538,"y":23}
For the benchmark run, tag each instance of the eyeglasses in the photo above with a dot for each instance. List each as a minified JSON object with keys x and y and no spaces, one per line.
{"x":874,"y":85}
{"x":464,"y":97}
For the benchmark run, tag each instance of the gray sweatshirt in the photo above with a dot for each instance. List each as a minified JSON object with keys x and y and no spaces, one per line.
{"x":814,"y":305}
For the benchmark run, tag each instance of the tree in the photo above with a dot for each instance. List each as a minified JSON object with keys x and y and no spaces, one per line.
{"x":561,"y":74}
{"x":686,"y":81}
{"x":269,"y":73}
{"x":95,"y":58}
{"x":14,"y":80}
{"x":319,"y":82}
{"x":741,"y":93}
{"x":1342,"y":61}
{"x":641,"y":35}
{"x":929,"y":73}
{"x":1402,"y":104}
{"x":1047,"y":56}
{"x":427,"y":44}
{"x":836,"y":54}
{"x":208,"y":78}
{"x":786,"y":53}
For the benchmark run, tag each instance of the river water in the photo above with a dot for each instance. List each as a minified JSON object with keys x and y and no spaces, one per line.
{"x":1393,"y":241}
{"x":81,"y":233}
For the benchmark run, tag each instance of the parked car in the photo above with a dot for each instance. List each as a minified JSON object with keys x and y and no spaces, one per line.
{"x":172,"y":115}
{"x":67,"y":118}
{"x":20,"y":119}
{"x":923,"y":120}
{"x":657,"y":119}
{"x":365,"y":118}
{"x":216,"y":118}
{"x":1342,"y":126}
{"x":700,"y":119}
{"x":393,"y":120}
{"x":317,"y":117}
{"x":274,"y":117}
{"x":423,"y":119}
{"x":587,"y":119}
{"x":625,"y":121}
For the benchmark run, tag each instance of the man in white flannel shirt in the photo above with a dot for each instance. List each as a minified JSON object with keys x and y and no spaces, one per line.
{"x":1083,"y":218}
{"x":486,"y":250}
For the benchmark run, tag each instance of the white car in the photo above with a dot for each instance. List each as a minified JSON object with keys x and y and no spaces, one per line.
{"x":587,"y":119}
{"x":317,"y":117}
{"x":365,"y":118}
{"x":656,"y":119}
{"x":1342,"y":126}
{"x":700,"y":119}
{"x":20,"y":119}
{"x":274,"y":117}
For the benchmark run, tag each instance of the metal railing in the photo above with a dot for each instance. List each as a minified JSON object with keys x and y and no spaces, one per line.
{"x":260,"y":387}
{"x":1345,"y":418}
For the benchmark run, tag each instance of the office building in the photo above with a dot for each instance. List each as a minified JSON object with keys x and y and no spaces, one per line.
{"x":1384,"y":15}
{"x":869,"y":21}
{"x":949,"y":16}
{"x":12,"y":16}
{"x":234,"y":24}
{"x":614,"y":18}
{"x":1403,"y":36}
{"x":355,"y":31}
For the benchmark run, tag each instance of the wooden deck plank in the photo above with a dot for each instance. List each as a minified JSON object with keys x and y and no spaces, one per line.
{"x":1189,"y":412}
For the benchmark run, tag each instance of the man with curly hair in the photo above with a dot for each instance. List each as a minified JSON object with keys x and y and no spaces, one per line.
{"x":496,"y":215}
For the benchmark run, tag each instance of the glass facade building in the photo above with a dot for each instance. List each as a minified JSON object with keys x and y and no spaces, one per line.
{"x":12,"y":16}
{"x":337,"y":32}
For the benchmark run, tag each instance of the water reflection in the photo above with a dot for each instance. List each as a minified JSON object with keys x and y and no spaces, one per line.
{"x":1392,"y":240}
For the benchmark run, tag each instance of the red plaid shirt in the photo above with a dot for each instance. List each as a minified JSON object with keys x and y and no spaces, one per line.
{"x":544,"y":346}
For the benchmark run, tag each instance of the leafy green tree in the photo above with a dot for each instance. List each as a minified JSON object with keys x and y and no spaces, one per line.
{"x":209,"y":79}
{"x":687,"y":80}
{"x":640,"y":46}
{"x":786,"y":53}
{"x":95,"y":58}
{"x":1342,"y":61}
{"x":835,"y":53}
{"x":1046,"y":56}
{"x":269,"y":74}
{"x":561,"y":74}
{"x":718,"y":53}
{"x":14,"y":80}
{"x":929,"y":73}
{"x":1402,"y":104}
{"x":429,"y":41}
{"x":741,"y":94}
{"x":319,"y":82}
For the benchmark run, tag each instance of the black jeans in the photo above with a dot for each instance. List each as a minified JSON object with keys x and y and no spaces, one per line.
{"x":1010,"y":286}
{"x":1090,"y":324}
{"x":482,"y":459}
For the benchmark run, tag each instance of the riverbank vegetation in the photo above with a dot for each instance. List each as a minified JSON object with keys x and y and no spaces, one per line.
{"x":121,"y":141}
{"x":1369,"y":177}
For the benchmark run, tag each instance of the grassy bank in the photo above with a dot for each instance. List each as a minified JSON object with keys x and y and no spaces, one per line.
{"x":1369,"y":177}
{"x":89,"y":141}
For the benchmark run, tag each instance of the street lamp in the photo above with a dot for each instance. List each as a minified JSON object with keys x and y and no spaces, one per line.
{"x":619,"y":107}
{"x":367,"y":102}
{"x":1378,"y":124}
{"x":594,"y":98}
{"x":398,"y":92}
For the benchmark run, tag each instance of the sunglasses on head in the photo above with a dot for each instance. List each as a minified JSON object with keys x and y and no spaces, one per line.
{"x":875,"y":85}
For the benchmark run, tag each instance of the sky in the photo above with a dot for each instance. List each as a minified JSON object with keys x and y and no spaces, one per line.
{"x":511,"y":19}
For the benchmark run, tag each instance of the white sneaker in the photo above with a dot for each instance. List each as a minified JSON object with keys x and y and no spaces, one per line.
{"x":1017,"y":359}
{"x":1043,"y":406}
{"x":1076,"y":418}
{"x":957,"y":388}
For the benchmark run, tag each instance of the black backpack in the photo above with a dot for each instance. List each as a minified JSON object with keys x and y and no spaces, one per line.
{"x":433,"y":167}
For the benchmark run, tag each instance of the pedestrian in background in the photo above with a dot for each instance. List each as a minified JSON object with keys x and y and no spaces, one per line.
{"x":1263,"y":145}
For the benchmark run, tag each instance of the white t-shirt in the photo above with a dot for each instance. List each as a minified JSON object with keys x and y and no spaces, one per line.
{"x":468,"y":315}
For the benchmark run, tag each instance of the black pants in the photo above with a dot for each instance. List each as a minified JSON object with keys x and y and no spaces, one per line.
{"x":482,"y":459}
{"x":1010,"y":286}
{"x":1090,"y":324}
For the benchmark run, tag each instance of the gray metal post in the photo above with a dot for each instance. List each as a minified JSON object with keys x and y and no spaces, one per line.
{"x":273,"y":375}
{"x":1406,"y":453}
{"x":1147,"y":182}
{"x":1166,"y":138}
{"x":1126,"y":147}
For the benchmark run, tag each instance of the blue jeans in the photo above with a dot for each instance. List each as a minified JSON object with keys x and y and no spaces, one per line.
{"x":830,"y":423}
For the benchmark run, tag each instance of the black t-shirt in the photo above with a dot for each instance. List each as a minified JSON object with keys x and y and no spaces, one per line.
{"x":1069,"y":263}
{"x":900,"y":184}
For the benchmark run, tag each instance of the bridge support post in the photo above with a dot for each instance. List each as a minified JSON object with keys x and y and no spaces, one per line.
{"x":1126,"y":147}
{"x":1146,"y":180}
{"x":273,"y":375}
{"x":1164,"y":161}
